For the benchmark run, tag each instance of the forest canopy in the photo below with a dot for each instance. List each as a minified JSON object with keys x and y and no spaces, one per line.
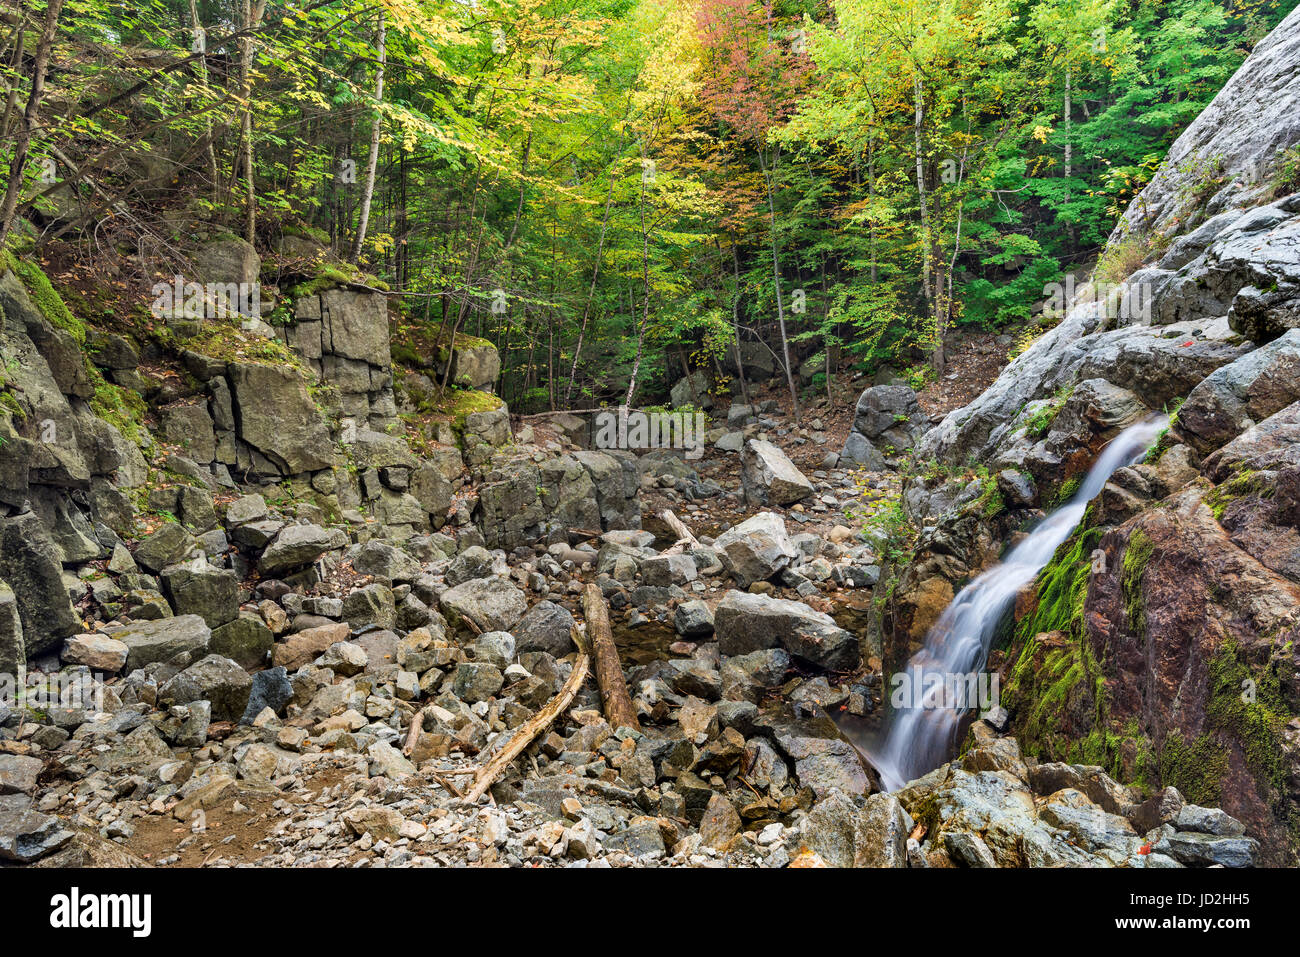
{"x":611,"y":191}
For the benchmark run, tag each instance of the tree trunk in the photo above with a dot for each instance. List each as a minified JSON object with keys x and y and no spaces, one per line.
{"x":927,"y":270}
{"x":201,"y":68}
{"x":735,"y":325}
{"x":1069,"y":152}
{"x":776,"y":274}
{"x":252,"y":16}
{"x":609,"y":670}
{"x":376,"y":128}
{"x":31,"y":118}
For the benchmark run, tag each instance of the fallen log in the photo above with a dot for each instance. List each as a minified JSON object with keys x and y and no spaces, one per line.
{"x":685,"y":540}
{"x":534,"y":726}
{"x":609,"y":670}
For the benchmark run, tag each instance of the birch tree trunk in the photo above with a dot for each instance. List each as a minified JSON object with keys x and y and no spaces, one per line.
{"x":776,"y":274}
{"x":372,"y":163}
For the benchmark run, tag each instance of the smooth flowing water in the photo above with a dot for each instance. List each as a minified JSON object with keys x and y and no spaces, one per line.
{"x":923,"y":736}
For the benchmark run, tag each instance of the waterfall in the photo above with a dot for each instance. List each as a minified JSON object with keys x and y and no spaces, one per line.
{"x":923,"y":736}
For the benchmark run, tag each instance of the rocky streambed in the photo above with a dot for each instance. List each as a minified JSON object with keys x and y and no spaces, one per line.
{"x":249,"y":693}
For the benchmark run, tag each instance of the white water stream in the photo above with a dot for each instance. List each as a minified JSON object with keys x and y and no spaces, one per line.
{"x":923,"y":736}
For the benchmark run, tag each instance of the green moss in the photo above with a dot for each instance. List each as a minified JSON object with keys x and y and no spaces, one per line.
{"x":1244,"y":483}
{"x":1041,"y":421}
{"x":1137,"y":552}
{"x":333,"y":275}
{"x":119,"y":407}
{"x":1195,"y":768}
{"x":464,"y":402}
{"x":225,"y":341}
{"x":1247,"y":705}
{"x":46,"y":298}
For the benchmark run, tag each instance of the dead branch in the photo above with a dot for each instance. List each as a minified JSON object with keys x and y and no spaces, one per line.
{"x":609,"y":670}
{"x":531,"y":728}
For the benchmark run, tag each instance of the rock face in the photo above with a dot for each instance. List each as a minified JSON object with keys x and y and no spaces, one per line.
{"x":887,"y":418}
{"x":522,"y":501}
{"x":32,"y":566}
{"x":343,"y":336}
{"x":769,"y":477}
{"x":1243,"y":130}
{"x":278,"y":419}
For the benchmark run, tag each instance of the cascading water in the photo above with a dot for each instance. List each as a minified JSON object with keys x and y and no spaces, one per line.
{"x":922,"y":736}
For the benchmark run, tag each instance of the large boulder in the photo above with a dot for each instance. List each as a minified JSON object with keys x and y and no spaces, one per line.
{"x":13,"y":653}
{"x":32,"y":565}
{"x":277,"y":417}
{"x":351,"y":323}
{"x":217,"y":680}
{"x":492,"y":604}
{"x":227,"y":259}
{"x":294,"y":547}
{"x":1242,"y":393}
{"x":198,"y":588}
{"x":769,"y":477}
{"x":743,"y":623}
{"x":162,"y":640}
{"x":475,"y":363}
{"x":888,"y":414}
{"x":756,"y":549}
